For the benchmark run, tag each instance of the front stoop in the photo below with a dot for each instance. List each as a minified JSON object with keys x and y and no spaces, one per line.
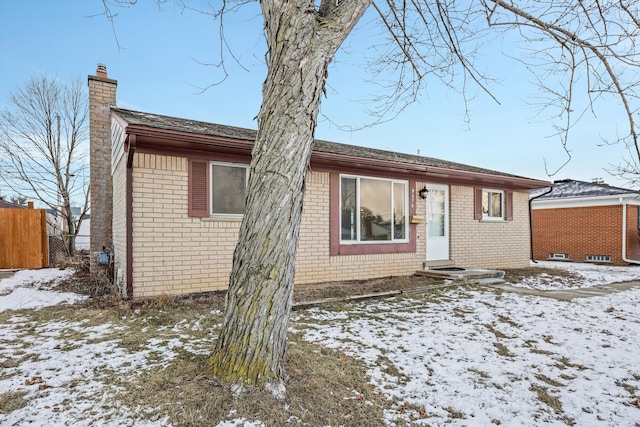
{"x":476,"y":275}
{"x":430,"y":265}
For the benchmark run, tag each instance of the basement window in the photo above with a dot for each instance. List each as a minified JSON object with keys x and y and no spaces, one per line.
{"x":598,"y":258}
{"x":562,"y":257}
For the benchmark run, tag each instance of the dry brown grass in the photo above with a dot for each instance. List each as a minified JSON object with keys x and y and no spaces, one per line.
{"x":325,"y":387}
{"x":103,"y":294}
{"x":502,"y":350}
{"x":317,"y":291}
{"x":83,"y":282}
{"x":12,"y":401}
{"x":516,"y":275}
{"x":547,"y":398}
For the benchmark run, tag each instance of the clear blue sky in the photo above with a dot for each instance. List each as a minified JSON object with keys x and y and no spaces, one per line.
{"x":160,"y":68}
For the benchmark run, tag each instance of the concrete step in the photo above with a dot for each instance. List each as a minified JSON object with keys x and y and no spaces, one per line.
{"x":570,"y":294}
{"x":470,"y":274}
{"x":431,"y":265}
{"x":490,"y":281}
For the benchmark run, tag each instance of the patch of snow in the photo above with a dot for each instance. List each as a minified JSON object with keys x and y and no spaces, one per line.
{"x":45,"y":277}
{"x":33,"y":289}
{"x":28,"y":298}
{"x":65,"y":381}
{"x":590,"y":275}
{"x":481,"y":358}
{"x":459,"y":357}
{"x":238,"y":422}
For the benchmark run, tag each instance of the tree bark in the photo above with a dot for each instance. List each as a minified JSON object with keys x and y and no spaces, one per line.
{"x":251,"y":347}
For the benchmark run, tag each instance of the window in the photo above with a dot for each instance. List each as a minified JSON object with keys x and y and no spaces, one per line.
{"x":228,"y":188}
{"x":436,"y":213}
{"x":492,"y":204}
{"x":217,"y":189}
{"x":559,"y":256}
{"x":373,"y":210}
{"x":598,"y":258}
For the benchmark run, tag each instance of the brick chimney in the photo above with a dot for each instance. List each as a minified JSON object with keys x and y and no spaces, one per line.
{"x":102,"y":96}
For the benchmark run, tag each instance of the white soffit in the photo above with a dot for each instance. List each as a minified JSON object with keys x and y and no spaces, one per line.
{"x":580,"y":202}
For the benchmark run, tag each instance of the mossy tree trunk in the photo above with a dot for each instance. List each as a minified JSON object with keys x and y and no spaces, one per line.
{"x":301,"y":41}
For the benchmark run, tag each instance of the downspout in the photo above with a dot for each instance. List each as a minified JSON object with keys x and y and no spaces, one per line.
{"x":624,"y":234}
{"x":531,"y":223}
{"x":129,"y":213}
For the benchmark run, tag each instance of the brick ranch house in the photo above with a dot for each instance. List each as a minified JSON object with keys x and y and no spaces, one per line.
{"x":586,"y":222}
{"x":177,"y":199}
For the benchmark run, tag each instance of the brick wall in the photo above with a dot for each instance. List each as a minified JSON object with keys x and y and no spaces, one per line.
{"x":314,"y":263}
{"x":102,"y":95}
{"x":585,"y":231}
{"x":488,"y":244}
{"x":174,"y":253}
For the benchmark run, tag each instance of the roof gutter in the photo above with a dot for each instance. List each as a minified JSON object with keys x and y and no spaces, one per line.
{"x":515,"y":182}
{"x":624,"y":233}
{"x":150,"y":139}
{"x":531,"y":222}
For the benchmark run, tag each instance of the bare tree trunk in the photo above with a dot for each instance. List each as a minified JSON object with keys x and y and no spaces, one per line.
{"x":251,"y":347}
{"x":72,"y":232}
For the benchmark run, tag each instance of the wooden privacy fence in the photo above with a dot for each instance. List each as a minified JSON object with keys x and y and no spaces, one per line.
{"x":23,"y":238}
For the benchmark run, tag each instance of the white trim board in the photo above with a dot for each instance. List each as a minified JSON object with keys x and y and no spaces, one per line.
{"x":581,"y":202}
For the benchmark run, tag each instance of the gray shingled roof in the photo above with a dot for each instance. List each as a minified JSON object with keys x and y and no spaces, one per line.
{"x":567,"y":188}
{"x":5,"y":204}
{"x":204,"y":128}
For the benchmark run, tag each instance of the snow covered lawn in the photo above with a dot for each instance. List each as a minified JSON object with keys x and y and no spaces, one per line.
{"x":34,"y":289}
{"x":588,"y":275}
{"x":481,"y":358}
{"x":462,"y":356}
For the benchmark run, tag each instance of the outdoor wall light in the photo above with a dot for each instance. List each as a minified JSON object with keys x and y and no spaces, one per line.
{"x":423,"y":193}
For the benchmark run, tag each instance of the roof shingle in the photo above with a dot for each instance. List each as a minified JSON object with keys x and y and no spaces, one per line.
{"x":212,"y":129}
{"x":568,"y":188}
{"x":5,"y":204}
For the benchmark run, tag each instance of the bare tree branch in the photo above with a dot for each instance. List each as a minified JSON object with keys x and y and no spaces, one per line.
{"x":43,"y":148}
{"x":603,"y":52}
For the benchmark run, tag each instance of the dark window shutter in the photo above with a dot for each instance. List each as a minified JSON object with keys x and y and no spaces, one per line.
{"x":508,"y":205}
{"x":477,"y":203}
{"x":198,"y":188}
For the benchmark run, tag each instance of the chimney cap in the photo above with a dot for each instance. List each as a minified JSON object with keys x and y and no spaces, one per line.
{"x":101,"y":71}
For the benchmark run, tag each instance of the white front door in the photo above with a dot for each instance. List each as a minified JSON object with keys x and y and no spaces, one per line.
{"x":437,"y":222}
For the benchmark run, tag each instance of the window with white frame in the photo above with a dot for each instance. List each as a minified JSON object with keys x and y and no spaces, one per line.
{"x":492,"y":204}
{"x":373,"y":210}
{"x":228,"y":188}
{"x":598,"y":258}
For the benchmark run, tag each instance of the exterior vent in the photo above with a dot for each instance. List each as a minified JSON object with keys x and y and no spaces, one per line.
{"x":598,"y":258}
{"x":559,"y":256}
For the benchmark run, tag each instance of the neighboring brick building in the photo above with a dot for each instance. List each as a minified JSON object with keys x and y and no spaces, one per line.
{"x":586,"y":222}
{"x":178,"y":199}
